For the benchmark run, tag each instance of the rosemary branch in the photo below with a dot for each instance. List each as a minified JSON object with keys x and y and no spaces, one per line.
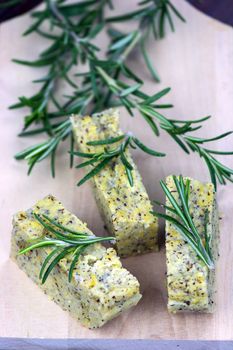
{"x":74,"y":26}
{"x":64,"y":241}
{"x":181,"y":219}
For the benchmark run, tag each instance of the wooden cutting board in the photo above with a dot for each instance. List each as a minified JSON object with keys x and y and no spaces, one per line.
{"x":196,"y":62}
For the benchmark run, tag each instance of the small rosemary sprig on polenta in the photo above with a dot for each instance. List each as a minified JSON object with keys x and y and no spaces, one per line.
{"x":121,"y":144}
{"x":64,"y":241}
{"x":182,"y":220}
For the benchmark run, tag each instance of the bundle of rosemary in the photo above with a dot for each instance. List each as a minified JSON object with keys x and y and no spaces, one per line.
{"x":73,"y":28}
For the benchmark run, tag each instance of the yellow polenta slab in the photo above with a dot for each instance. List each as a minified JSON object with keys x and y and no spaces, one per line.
{"x":100,"y":288}
{"x":191,"y":285}
{"x":125,"y":209}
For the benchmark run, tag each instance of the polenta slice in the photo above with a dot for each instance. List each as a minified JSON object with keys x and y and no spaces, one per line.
{"x":126,"y":210}
{"x":100,"y":288}
{"x":190,"y":283}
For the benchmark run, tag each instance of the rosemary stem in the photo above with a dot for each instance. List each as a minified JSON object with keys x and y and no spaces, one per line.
{"x":110,"y":81}
{"x":134,"y":42}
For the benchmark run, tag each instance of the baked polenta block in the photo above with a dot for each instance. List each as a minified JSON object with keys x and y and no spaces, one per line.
{"x":190,"y":283}
{"x":100,"y":288}
{"x":126,"y":210}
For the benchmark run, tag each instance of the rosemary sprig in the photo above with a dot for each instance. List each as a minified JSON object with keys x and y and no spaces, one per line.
{"x":64,"y":241}
{"x":178,"y":130}
{"x":39,"y":152}
{"x":182,"y":220}
{"x":218,"y":171}
{"x":151,"y":16}
{"x":99,"y":160}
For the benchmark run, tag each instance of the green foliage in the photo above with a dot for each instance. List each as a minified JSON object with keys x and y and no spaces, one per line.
{"x":108,"y":82}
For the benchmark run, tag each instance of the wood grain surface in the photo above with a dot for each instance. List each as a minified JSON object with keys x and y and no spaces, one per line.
{"x":196,"y":62}
{"x":110,"y":344}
